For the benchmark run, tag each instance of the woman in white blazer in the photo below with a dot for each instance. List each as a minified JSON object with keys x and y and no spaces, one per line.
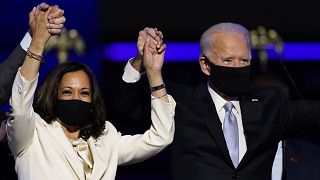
{"x":66,"y":135}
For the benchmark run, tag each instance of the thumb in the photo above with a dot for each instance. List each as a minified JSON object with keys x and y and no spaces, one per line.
{"x":43,"y":6}
{"x":146,"y":46}
{"x":32,"y":13}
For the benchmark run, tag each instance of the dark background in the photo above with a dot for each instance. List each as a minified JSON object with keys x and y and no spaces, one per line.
{"x":101,"y":23}
{"x":186,"y":20}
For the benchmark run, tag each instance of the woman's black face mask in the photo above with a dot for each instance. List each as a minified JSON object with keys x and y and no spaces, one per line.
{"x":73,"y":112}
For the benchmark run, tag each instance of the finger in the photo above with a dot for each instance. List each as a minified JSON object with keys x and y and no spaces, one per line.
{"x":162,"y":48}
{"x":146,"y":29}
{"x":159,"y":33}
{"x":37,"y":11}
{"x":153,"y":44}
{"x":56,"y":21}
{"x":159,"y":38}
{"x":55,"y":31}
{"x":160,"y":42}
{"x":32,"y":14}
{"x":43,"y":6}
{"x":146,"y":46}
{"x":142,"y":35}
{"x":54,"y":26}
{"x":56,"y":13}
{"x":151,"y":32}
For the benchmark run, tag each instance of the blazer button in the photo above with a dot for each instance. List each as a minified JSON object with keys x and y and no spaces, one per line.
{"x":235,"y":176}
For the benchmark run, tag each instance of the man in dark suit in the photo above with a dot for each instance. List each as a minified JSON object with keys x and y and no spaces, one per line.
{"x":8,"y":70}
{"x":224,"y":130}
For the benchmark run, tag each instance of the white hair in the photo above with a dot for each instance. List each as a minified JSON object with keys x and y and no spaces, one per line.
{"x":207,"y":38}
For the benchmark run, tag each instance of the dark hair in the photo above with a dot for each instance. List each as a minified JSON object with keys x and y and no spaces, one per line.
{"x":48,"y":92}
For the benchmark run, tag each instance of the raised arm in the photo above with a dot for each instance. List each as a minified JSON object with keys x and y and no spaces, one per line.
{"x":160,"y":134}
{"x":9,"y":67}
{"x":132,"y":95}
{"x":31,"y":64}
{"x":153,"y":62}
{"x":156,"y":40}
{"x":21,"y":127}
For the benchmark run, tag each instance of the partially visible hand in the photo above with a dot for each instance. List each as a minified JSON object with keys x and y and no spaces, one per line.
{"x":56,"y":20}
{"x":156,"y":38}
{"x":37,"y":21}
{"x":152,"y":60}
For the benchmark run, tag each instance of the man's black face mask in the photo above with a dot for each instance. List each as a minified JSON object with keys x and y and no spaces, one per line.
{"x":230,"y":81}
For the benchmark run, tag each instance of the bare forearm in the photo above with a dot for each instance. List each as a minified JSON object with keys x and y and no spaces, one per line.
{"x":137,"y":63}
{"x":30,"y":67}
{"x":155,"y":79}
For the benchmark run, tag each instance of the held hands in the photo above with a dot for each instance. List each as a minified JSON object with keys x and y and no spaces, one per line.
{"x":44,"y":21}
{"x":152,"y":60}
{"x":53,"y":22}
{"x":37,"y":22}
{"x":156,"y":40}
{"x":155,"y":36}
{"x":56,"y":18}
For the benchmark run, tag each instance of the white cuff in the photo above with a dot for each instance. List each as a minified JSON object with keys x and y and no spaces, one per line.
{"x":130,"y":75}
{"x":26,"y":41}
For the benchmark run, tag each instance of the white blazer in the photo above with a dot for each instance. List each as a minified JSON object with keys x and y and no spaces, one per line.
{"x":42,"y":151}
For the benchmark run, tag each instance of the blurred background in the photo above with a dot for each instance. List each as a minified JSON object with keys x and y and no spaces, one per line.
{"x":103,"y":34}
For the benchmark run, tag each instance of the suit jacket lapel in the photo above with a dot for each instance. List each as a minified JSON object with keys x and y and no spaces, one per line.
{"x":207,"y":110}
{"x":251,"y":112}
{"x":58,"y":136}
{"x":99,"y":157}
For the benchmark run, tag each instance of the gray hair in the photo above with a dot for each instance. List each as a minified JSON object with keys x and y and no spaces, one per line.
{"x":206,"y":38}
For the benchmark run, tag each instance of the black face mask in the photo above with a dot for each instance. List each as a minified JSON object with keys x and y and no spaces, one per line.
{"x":73,"y":112}
{"x":230,"y":81}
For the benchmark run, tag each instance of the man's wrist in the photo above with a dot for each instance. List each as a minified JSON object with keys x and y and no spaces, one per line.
{"x":136,"y":63}
{"x":26,"y":41}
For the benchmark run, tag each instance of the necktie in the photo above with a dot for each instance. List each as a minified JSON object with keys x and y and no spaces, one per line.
{"x":231,"y":135}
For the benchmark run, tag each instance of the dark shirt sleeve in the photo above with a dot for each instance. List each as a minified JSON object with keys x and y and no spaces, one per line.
{"x":8,"y":70}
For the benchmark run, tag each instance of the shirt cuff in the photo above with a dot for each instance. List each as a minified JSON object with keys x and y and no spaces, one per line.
{"x":130,"y":75}
{"x":26,"y":41}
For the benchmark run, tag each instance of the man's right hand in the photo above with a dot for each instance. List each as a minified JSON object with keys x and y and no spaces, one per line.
{"x":156,"y":41}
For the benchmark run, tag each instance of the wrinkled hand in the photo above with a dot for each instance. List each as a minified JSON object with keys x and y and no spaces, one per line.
{"x":156,"y":40}
{"x":56,"y":18}
{"x":152,"y":60}
{"x":37,"y":22}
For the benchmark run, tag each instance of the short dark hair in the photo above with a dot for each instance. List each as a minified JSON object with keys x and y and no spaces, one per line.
{"x":48,"y":92}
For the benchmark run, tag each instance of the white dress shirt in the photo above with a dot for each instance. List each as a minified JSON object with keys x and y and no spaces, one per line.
{"x":219,"y":103}
{"x":26,"y":41}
